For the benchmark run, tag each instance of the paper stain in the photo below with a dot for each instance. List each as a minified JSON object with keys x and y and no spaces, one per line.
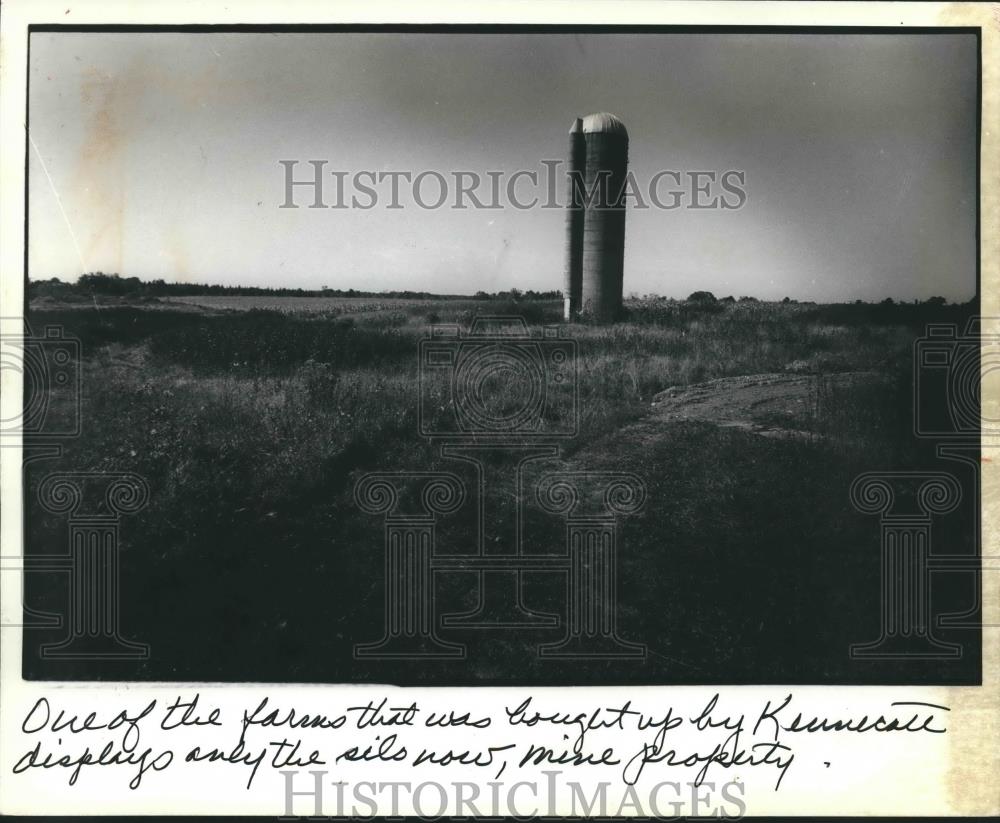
{"x":175,"y":250}
{"x":99,"y":173}
{"x":105,"y":168}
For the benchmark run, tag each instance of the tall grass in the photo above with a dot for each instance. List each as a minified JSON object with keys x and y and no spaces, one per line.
{"x":252,"y":427}
{"x":253,"y":406}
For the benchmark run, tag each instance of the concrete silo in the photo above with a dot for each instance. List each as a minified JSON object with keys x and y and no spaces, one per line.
{"x":600,"y":246}
{"x":573,"y":281}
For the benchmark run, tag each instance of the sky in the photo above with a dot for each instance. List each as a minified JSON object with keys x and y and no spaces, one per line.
{"x":156,"y":155}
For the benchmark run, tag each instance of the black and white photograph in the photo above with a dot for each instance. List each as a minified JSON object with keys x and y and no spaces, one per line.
{"x":315,"y":282}
{"x":504,"y":355}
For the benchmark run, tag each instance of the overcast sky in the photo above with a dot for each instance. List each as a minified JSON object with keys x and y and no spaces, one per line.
{"x":156,"y":155}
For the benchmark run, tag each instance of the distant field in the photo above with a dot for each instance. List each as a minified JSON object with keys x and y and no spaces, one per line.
{"x":313,"y":305}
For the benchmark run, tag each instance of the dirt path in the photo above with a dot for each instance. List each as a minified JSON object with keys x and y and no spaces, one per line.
{"x":771,"y":405}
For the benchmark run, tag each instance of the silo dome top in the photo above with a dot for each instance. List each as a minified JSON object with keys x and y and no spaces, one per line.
{"x":603,"y":122}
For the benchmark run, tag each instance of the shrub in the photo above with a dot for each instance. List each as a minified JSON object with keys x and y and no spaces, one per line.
{"x":268,"y":342}
{"x":320,"y":380}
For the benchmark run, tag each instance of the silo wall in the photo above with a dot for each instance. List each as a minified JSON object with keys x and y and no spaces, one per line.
{"x":604,"y":224}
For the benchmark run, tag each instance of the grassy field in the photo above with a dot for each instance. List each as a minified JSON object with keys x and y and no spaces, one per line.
{"x":252,"y":418}
{"x":329,"y":306}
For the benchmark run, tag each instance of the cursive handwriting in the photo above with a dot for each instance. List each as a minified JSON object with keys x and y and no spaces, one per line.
{"x":110,"y":755}
{"x":627,"y":738}
{"x":800,"y":723}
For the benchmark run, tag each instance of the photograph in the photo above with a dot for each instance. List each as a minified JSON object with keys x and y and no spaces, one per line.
{"x":503,"y":355}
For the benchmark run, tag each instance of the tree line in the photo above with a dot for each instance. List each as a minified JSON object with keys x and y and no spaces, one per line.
{"x":114,"y":285}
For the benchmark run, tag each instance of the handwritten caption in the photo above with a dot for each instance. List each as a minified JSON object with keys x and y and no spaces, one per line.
{"x":631,"y":739}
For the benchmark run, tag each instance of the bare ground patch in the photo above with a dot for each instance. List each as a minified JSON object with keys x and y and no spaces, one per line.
{"x":770,"y":405}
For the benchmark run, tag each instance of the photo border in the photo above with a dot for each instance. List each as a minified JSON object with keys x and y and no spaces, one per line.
{"x":965,"y":779}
